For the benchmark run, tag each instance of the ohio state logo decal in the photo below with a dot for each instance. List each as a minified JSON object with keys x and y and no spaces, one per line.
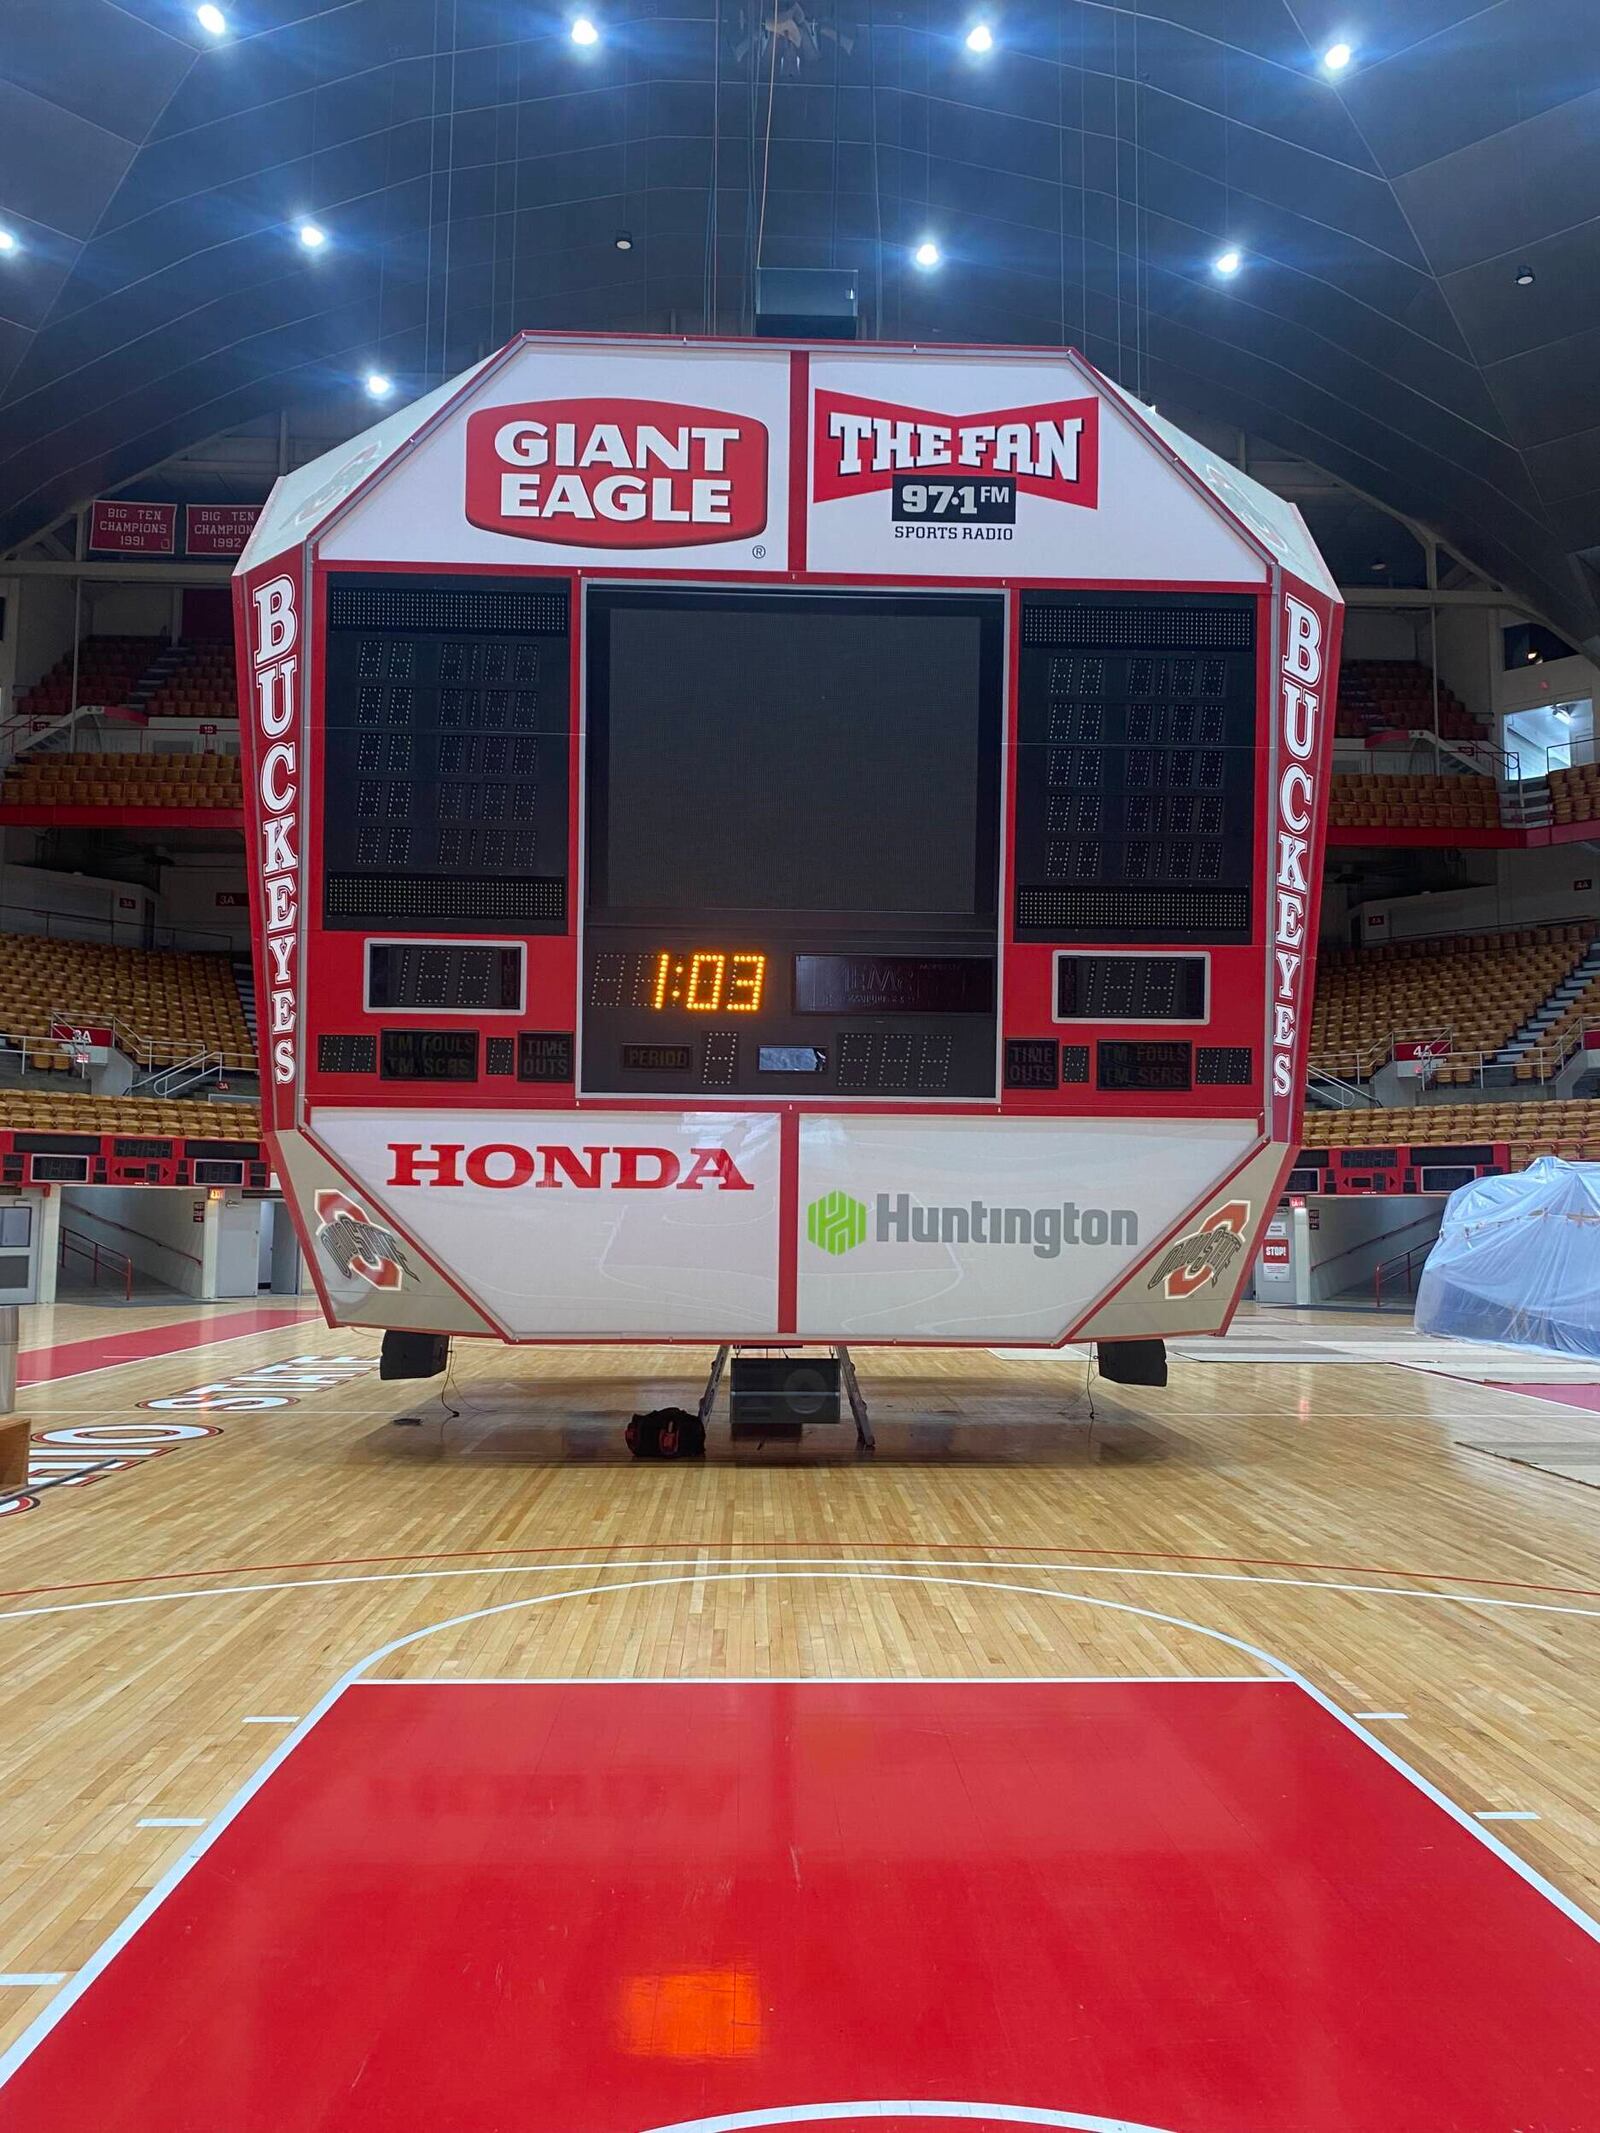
{"x":617,"y":473}
{"x":357,"y":1245}
{"x":1050,"y":449}
{"x":1205,"y":1253}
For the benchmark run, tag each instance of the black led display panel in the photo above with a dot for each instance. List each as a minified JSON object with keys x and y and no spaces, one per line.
{"x":793,"y":842}
{"x":446,"y":753}
{"x":432,"y":974}
{"x":1131,"y":988}
{"x":794,"y":753}
{"x":1136,"y":767}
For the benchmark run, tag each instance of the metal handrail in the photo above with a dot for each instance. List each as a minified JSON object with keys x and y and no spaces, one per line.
{"x":93,"y":1250}
{"x":131,"y":1043}
{"x":1402,"y":1260}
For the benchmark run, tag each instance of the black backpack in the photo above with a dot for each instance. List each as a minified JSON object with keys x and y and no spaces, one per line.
{"x":666,"y":1433}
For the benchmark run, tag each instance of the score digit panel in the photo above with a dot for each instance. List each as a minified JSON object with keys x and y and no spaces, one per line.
{"x":793,"y":843}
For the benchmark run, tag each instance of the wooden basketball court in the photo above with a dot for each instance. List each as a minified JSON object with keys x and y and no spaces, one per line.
{"x":1104,"y":1892}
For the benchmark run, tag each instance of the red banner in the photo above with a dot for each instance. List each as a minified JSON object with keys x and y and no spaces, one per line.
{"x":218,"y":529}
{"x":133,"y":529}
{"x":82,"y":1033}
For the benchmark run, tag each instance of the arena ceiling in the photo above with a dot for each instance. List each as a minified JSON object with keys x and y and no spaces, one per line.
{"x":474,"y":168}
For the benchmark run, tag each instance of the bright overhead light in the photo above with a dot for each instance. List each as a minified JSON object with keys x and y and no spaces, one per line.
{"x":1525,"y":277}
{"x":378,"y":386}
{"x":927,"y":253}
{"x":584,"y":31}
{"x":212,"y":20}
{"x":980,"y":38}
{"x":8,"y":242}
{"x":623,"y":242}
{"x":1228,"y":262}
{"x":1380,"y":564}
{"x":1337,"y":57}
{"x":312,"y":236}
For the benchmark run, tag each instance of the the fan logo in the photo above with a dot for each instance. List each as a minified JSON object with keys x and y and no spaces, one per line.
{"x":1205,"y":1254}
{"x":1051,"y":449}
{"x":357,"y":1245}
{"x":617,"y":473}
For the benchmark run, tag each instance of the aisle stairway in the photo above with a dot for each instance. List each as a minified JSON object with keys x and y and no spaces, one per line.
{"x":1549,"y":1011}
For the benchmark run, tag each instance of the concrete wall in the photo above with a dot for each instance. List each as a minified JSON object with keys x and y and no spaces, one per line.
{"x":186,"y":913}
{"x":1540,"y":887}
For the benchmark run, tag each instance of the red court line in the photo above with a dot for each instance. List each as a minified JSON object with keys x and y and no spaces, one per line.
{"x":755,"y":1550}
{"x":1586,"y":1396}
{"x":601,"y":1907}
{"x":69,"y":1359}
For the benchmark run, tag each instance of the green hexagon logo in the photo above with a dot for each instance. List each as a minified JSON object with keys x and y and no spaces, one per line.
{"x":836,"y":1223}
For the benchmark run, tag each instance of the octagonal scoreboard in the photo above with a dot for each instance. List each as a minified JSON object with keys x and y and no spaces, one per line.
{"x":755,"y":842}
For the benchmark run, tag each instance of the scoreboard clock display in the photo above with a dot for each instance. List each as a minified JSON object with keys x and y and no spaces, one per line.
{"x":793,"y":842}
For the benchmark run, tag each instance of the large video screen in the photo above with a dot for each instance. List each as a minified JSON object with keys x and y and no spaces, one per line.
{"x":794,"y":753}
{"x":793,"y":842}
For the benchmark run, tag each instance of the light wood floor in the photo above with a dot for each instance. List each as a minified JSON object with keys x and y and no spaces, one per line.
{"x":1326,"y":1518}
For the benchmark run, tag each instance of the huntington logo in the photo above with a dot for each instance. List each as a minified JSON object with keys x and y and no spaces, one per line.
{"x":836,"y":1223}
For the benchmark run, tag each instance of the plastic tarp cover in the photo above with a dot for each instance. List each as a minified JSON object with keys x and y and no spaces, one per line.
{"x":1517,"y":1262}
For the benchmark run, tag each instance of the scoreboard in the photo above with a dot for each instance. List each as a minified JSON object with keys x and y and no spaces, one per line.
{"x":713,"y":884}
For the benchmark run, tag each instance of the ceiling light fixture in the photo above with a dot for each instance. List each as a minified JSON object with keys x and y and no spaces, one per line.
{"x":927,"y":254}
{"x":379,"y":387}
{"x":980,"y":38}
{"x":623,"y":241}
{"x":1380,"y":564}
{"x":1228,"y":262}
{"x":312,"y":236}
{"x":1525,"y":277}
{"x":212,"y":20}
{"x":8,"y":242}
{"x":1337,"y":57}
{"x":584,"y":31}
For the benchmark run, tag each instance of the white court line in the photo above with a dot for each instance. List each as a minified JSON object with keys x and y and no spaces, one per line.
{"x":810,"y":2114}
{"x":1278,"y":1669}
{"x":825,"y":1681}
{"x":1505,"y":1814}
{"x":758,"y":1565}
{"x":1365,"y":1716}
{"x":34,"y":1977}
{"x":171,"y":1822}
{"x":276,"y":1718}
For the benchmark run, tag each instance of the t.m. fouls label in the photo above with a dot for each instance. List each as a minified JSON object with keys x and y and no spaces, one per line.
{"x":608,"y":473}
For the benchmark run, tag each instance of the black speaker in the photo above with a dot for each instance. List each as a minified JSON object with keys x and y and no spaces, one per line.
{"x":1132,"y":1362}
{"x":414,"y":1355}
{"x":769,"y":1391}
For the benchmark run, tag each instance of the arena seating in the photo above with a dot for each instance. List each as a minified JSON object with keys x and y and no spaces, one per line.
{"x":1575,"y":793}
{"x":1529,"y":1129}
{"x":25,"y":1111}
{"x":108,"y":668}
{"x":180,"y":1004}
{"x":1383,"y":802}
{"x":195,"y":679}
{"x":1480,"y":986}
{"x":123,"y":780}
{"x":1396,"y":695}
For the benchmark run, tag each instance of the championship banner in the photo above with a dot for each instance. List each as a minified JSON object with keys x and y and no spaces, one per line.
{"x":218,"y":529}
{"x":117,"y":528}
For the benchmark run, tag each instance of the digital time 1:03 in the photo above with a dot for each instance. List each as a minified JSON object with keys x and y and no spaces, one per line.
{"x":709,"y":981}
